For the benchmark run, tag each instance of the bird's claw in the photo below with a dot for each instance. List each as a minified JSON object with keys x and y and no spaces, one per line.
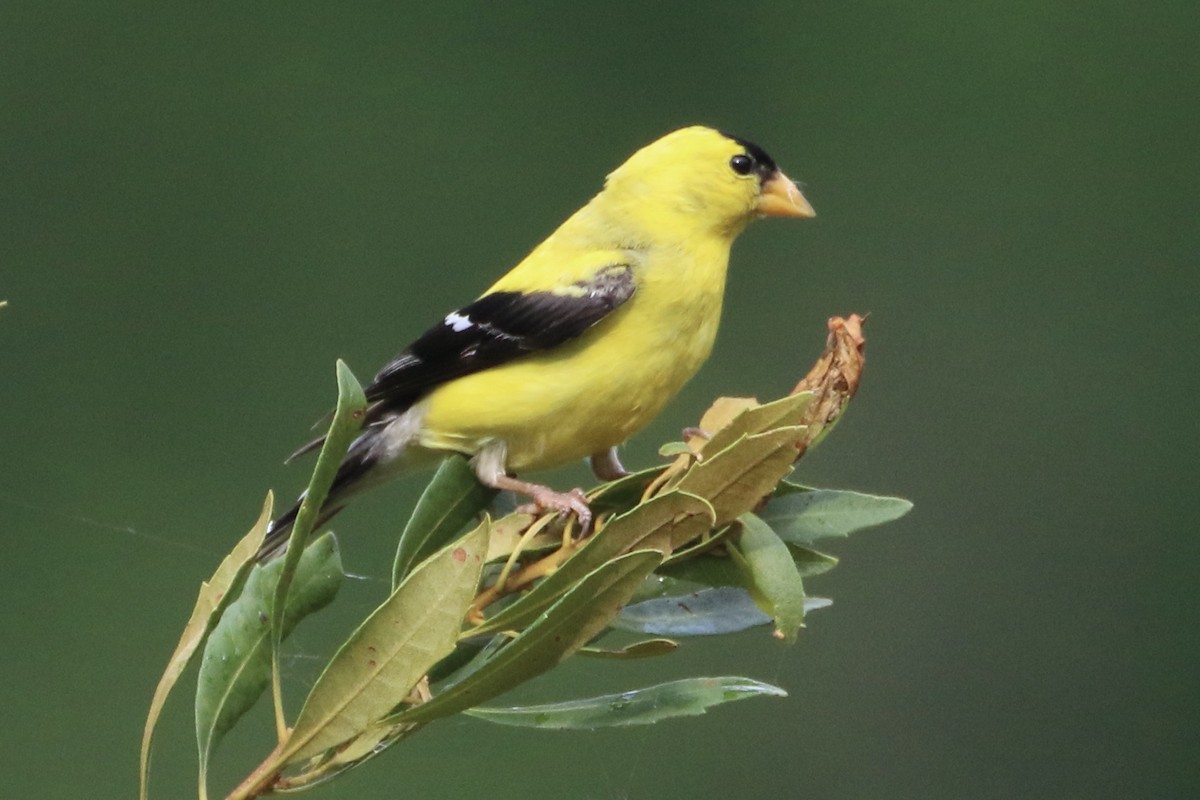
{"x":564,"y":503}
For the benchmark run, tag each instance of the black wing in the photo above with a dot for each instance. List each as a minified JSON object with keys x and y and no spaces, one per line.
{"x":495,"y":329}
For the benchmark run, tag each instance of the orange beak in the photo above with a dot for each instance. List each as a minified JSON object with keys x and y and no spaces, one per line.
{"x":779,"y":197}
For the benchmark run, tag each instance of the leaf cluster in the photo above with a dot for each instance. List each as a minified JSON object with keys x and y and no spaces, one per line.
{"x":714,"y":542}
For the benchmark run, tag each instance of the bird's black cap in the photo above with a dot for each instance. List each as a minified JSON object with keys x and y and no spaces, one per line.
{"x":765,"y":164}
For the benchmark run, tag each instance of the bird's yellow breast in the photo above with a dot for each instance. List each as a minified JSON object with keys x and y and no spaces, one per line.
{"x":595,"y":392}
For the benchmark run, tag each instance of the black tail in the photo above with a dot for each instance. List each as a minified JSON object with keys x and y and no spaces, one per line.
{"x":281,"y":528}
{"x":278,"y":532}
{"x":356,"y":464}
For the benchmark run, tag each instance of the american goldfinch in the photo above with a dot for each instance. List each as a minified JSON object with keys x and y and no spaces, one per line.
{"x":583,"y":342}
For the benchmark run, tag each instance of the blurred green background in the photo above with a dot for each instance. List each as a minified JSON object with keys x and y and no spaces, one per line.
{"x":201,"y":207}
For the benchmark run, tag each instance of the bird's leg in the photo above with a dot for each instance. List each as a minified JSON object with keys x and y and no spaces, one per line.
{"x":489,"y":468}
{"x":546,"y":499}
{"x":606,"y":466}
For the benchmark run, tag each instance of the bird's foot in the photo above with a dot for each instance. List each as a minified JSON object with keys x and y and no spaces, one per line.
{"x":565,"y":503}
{"x":693,"y":432}
{"x":544,"y":498}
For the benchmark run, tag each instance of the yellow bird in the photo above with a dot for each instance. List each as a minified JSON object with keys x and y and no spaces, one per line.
{"x":585,"y":340}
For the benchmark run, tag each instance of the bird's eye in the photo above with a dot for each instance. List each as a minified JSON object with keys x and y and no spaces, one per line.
{"x":742,"y":164}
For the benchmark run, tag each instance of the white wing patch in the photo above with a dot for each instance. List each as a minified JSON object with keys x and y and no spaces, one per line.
{"x":457,"y":322}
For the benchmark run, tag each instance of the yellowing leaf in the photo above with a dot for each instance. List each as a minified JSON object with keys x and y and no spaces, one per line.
{"x":724,"y":411}
{"x":384,"y":659}
{"x":566,"y":626}
{"x":653,"y":524}
{"x":736,"y":479}
{"x":215,"y":594}
{"x":785,"y":412}
{"x":508,"y":531}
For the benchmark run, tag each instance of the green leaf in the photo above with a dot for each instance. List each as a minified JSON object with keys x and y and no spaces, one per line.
{"x":785,"y":412}
{"x":659,"y":585}
{"x":363,"y":748}
{"x":736,"y":479}
{"x":347,"y":420}
{"x":653,"y":524}
{"x":705,"y":570}
{"x":811,"y":562}
{"x":706,"y":545}
{"x":462,"y":654}
{"x":236,"y":666}
{"x":707,"y":612}
{"x":681,"y":698}
{"x":672,"y":449}
{"x":566,"y":626}
{"x":467,"y":658}
{"x":714,"y":570}
{"x":775,"y":581}
{"x":215,"y":595}
{"x":451,"y":501}
{"x":622,"y":494}
{"x":392,"y":650}
{"x":803,"y":516}
{"x":646,"y":648}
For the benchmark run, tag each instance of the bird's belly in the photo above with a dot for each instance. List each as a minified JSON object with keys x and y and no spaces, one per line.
{"x":553,"y":408}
